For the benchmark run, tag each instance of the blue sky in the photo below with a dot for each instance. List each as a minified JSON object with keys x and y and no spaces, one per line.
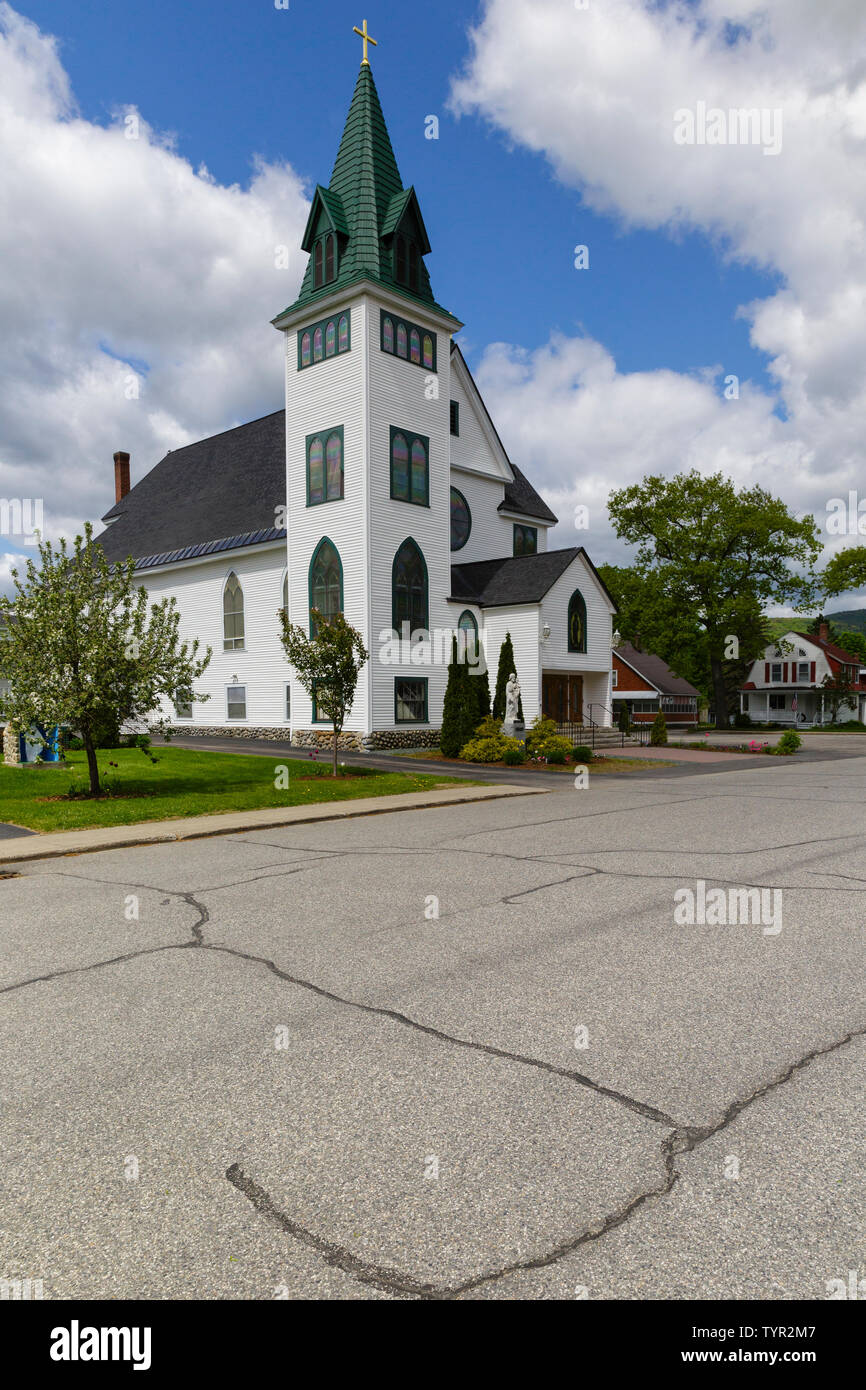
{"x":235,"y":78}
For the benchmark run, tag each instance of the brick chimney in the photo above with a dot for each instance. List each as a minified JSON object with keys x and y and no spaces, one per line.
{"x":121,"y":476}
{"x":823,"y":631}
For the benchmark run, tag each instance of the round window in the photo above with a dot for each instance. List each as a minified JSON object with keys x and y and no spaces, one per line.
{"x":461,"y":520}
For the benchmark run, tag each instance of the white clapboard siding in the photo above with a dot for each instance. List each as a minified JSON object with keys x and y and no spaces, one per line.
{"x":261,"y":667}
{"x":321,"y":397}
{"x":522,"y":621}
{"x":491,"y":537}
{"x":408,"y":397}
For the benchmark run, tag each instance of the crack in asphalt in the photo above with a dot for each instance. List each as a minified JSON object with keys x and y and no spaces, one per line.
{"x":649,"y":1112}
{"x":196,"y":930}
{"x":683,"y":1139}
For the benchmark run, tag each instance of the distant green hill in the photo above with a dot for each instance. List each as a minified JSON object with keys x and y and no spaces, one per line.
{"x":851,"y":620}
{"x":777,"y":627}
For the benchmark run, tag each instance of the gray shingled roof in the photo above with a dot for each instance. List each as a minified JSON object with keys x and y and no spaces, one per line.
{"x":513,"y":579}
{"x":656,"y":671}
{"x":222,"y":489}
{"x":225,"y":487}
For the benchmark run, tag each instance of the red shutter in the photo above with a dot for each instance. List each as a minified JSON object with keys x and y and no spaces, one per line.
{"x":766,"y":673}
{"x":785,"y":674}
{"x":812,"y":674}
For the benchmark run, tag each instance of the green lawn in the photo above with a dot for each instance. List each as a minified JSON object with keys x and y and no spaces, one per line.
{"x":185,"y":782}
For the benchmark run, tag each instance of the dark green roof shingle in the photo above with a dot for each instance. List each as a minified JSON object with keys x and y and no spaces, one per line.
{"x":366,"y":202}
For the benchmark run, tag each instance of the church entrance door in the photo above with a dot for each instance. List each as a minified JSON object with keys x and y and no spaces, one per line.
{"x":562,"y":697}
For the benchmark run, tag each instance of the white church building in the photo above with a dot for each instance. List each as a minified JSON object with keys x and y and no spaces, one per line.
{"x":382,"y":490}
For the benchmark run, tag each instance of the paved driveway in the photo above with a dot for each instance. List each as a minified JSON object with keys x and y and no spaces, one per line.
{"x":464,"y":1052}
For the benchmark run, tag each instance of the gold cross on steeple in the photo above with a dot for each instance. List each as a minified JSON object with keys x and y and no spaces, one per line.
{"x":362,"y":33}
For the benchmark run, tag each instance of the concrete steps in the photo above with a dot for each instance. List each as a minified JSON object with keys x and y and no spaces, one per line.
{"x":604,"y":738}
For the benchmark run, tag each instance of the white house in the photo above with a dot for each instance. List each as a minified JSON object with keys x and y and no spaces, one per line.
{"x":786,"y":684}
{"x":382,"y":490}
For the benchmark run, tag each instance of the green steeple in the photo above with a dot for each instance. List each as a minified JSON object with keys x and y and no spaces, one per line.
{"x":366,"y":209}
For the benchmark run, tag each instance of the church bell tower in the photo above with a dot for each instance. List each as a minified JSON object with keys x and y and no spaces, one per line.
{"x":368,"y":362}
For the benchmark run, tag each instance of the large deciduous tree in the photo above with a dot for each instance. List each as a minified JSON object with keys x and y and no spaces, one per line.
{"x":327,"y":664}
{"x":845,"y":571}
{"x":718,"y":554}
{"x":82,"y":642}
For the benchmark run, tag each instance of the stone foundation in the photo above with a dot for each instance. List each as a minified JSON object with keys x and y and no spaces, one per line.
{"x":225,"y":731}
{"x":402,"y":738}
{"x":10,"y":747}
{"x":349,"y":741}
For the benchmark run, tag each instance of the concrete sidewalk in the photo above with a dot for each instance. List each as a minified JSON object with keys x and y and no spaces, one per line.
{"x":56,"y":843}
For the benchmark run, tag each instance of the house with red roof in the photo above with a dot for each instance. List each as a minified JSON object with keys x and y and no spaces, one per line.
{"x":788,"y":683}
{"x":646,"y":684}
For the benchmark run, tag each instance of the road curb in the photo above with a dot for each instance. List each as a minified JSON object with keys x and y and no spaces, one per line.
{"x":56,"y":844}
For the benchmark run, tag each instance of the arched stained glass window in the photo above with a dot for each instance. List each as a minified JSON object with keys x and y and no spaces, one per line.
{"x":326,"y":582}
{"x":415,"y":346}
{"x":401,"y":340}
{"x":409,"y":588}
{"x":233,"y":615}
{"x":400,"y":260}
{"x":317,"y":346}
{"x":330,"y":259}
{"x":577,"y":622}
{"x":344,"y":334}
{"x":331,"y":339}
{"x":468,"y":627}
{"x":461,"y":520}
{"x":318,"y":277}
{"x":400,"y":468}
{"x":334,"y":459}
{"x":428,"y":352}
{"x":306,"y":350}
{"x":388,"y":335}
{"x":419,"y":472}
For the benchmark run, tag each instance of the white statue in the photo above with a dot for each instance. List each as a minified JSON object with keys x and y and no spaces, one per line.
{"x":512,"y":698}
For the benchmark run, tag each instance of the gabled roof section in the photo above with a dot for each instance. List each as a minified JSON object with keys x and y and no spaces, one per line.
{"x":514,"y":579}
{"x":520,"y":495}
{"x":366,"y":203}
{"x":829,"y":649}
{"x":324,"y":198}
{"x":219,"y":493}
{"x":654,"y":670}
{"x":398,"y":207}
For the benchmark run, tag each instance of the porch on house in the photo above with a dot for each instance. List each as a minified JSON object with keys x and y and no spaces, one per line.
{"x":799,"y":707}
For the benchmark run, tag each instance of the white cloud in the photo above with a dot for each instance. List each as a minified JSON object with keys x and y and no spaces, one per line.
{"x":111,"y":245}
{"x":595,"y":90}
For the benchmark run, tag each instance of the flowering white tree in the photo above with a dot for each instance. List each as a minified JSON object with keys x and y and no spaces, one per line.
{"x":81,"y":641}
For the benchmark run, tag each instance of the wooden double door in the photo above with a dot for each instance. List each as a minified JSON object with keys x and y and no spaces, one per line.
{"x":562,"y":697}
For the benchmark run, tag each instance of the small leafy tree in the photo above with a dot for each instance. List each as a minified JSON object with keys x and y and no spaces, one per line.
{"x":328,"y":664}
{"x":659,"y":731}
{"x":84,"y":646}
{"x":839,"y":689}
{"x":507,"y":664}
{"x":623,"y":721}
